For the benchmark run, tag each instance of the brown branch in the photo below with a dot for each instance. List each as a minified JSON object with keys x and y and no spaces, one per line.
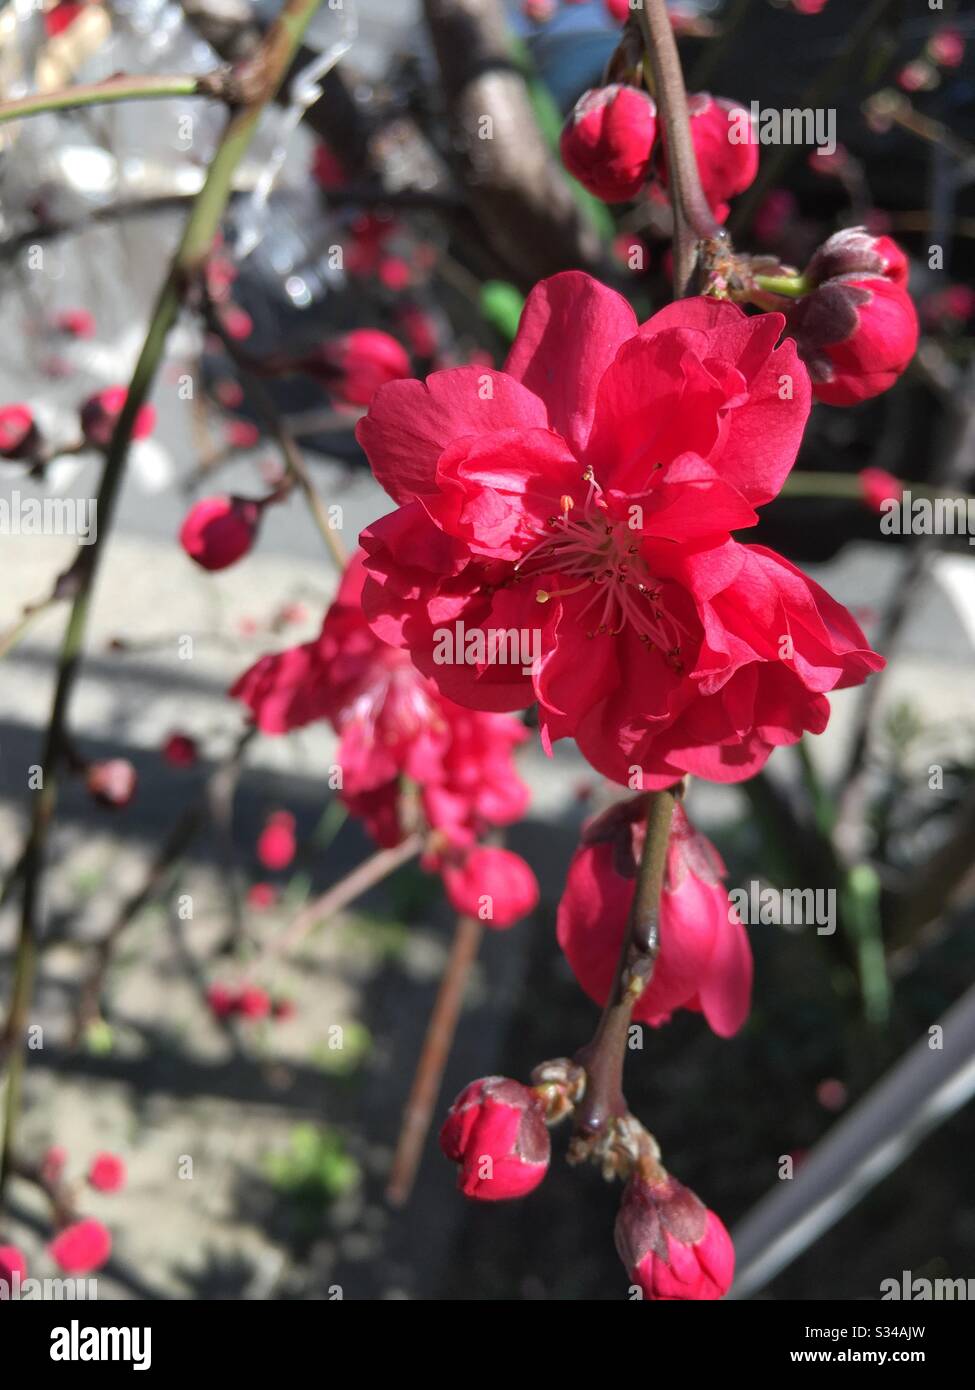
{"x":518,"y":193}
{"x":693,"y":218}
{"x":427,"y":1080}
{"x":365,"y":876}
{"x":294,"y":459}
{"x":604,"y":1103}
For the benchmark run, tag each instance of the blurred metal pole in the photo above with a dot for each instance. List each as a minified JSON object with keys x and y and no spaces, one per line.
{"x":925,"y":1088}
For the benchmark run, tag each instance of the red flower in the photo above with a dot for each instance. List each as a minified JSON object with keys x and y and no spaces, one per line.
{"x":492,"y":884}
{"x":856,"y":334}
{"x":241,"y":434}
{"x":107,"y":1173}
{"x":222,"y":1001}
{"x":180,"y":750}
{"x":18,"y":433}
{"x":12,"y":1262}
{"x":75,"y":323}
{"x":112,"y":783}
{"x":725,"y":148}
{"x":877,"y":486}
{"x":947,"y":48}
{"x":237,"y":322}
{"x":704,"y":963}
{"x":276,"y":842}
{"x":607,"y":141}
{"x":253,"y":1002}
{"x":671,"y":1244}
{"x":354,"y":366}
{"x":394,"y":272}
{"x":217,"y":531}
{"x":81,"y":1247}
{"x":99,"y":416}
{"x":496,"y":1131}
{"x":393,"y":724}
{"x":584,"y":498}
{"x":854,"y":251}
{"x":61,"y":17}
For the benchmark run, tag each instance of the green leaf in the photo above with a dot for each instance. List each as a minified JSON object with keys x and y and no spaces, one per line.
{"x":501,"y":306}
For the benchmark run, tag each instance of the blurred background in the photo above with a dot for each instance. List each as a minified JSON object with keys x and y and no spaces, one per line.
{"x":291,"y":1138}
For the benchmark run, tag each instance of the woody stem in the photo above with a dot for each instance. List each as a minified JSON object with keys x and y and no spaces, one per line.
{"x":604,"y":1056}
{"x":693,"y":218}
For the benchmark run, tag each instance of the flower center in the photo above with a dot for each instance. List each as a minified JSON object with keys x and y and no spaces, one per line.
{"x":589,"y":547}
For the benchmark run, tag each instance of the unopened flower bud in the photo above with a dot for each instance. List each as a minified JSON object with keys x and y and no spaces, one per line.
{"x":276,"y":842}
{"x":112,"y":783}
{"x":107,"y":1173}
{"x":853,"y":251}
{"x":217,"y":531}
{"x":12,"y":1262}
{"x":725,"y":147}
{"x":496,"y":1131}
{"x":878,"y":487}
{"x":355,"y":365}
{"x":99,"y":416}
{"x":607,"y":141}
{"x":19,"y":435}
{"x":856,"y":335}
{"x":492,"y":884}
{"x":81,"y":1247}
{"x":671,"y":1244}
{"x":180,"y":750}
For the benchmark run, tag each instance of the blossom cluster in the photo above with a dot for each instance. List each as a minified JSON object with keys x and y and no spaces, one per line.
{"x":409,"y":757}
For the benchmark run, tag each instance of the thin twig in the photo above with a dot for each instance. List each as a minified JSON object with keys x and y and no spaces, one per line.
{"x":363,"y":877}
{"x":274,"y":423}
{"x":422,"y":1100}
{"x":174,"y":846}
{"x":143,"y":87}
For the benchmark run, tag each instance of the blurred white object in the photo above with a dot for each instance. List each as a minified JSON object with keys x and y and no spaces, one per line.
{"x":333,"y":32}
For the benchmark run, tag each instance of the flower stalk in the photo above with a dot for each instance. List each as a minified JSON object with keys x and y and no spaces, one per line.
{"x":603,"y":1107}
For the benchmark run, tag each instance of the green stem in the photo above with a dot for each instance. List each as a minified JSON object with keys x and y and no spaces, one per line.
{"x":256,"y":83}
{"x":140,"y":88}
{"x":795,"y":286}
{"x":801,"y":483}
